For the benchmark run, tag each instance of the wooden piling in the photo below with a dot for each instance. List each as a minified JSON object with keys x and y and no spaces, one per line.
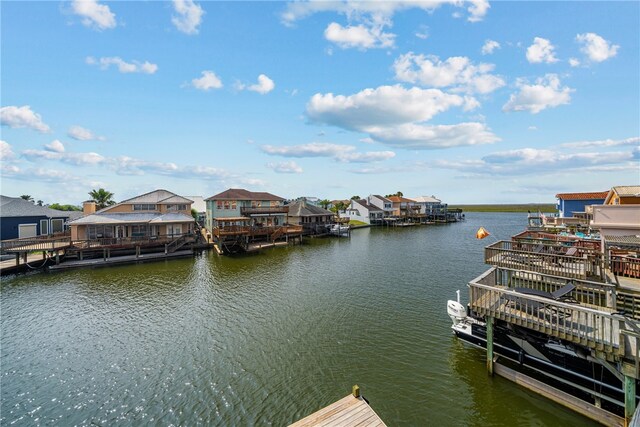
{"x":629,"y":398}
{"x":490,"y":345}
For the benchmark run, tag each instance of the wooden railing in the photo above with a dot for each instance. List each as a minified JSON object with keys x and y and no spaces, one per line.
{"x":624,"y":265}
{"x":265,"y":210}
{"x":546,"y":259}
{"x":596,"y":329}
{"x":234,"y":230}
{"x":126,"y":242}
{"x":40,"y":243}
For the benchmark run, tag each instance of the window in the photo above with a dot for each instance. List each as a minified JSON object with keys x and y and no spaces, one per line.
{"x":172,"y":208}
{"x":219,"y":204}
{"x":144,"y":207}
{"x":233,"y":204}
{"x":57,"y":225}
{"x":44,"y":227}
{"x":227,"y":205}
{"x":139,"y":230}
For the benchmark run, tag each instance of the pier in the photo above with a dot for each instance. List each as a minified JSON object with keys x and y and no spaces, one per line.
{"x":351,"y":410}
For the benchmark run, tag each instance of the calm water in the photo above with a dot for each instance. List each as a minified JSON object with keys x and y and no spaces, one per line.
{"x":263,"y":339}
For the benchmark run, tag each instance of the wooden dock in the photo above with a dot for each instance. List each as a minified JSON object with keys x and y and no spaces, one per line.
{"x":119,"y":260}
{"x":346,"y":412}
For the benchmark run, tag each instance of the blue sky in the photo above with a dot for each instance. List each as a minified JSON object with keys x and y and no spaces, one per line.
{"x":473,"y":102}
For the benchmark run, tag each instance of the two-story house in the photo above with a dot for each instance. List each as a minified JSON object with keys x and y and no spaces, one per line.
{"x":362,"y":211}
{"x":158,"y":215}
{"x":382,"y":203}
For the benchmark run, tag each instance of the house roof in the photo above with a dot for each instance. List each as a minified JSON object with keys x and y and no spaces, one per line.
{"x":627,"y":190}
{"x":242,"y":194}
{"x":371,"y":208}
{"x":132,"y":218}
{"x":384,"y":199}
{"x":157,"y":197}
{"x":425,"y":199}
{"x":16,"y":207}
{"x":198,"y":203}
{"x":582,"y":196}
{"x":398,"y":199}
{"x":301,"y":208}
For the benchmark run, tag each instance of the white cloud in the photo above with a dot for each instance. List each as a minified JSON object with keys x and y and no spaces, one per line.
{"x":377,"y":10}
{"x":189,"y":16}
{"x":264,"y":85}
{"x":532,"y":128}
{"x":574,"y":62}
{"x":75,"y":159}
{"x":383,"y":106}
{"x":596,"y":48}
{"x":6,"y":153}
{"x":208,"y":81}
{"x":341,"y":153}
{"x":545,"y":93}
{"x":94,"y":14}
{"x":104,"y":63}
{"x":81,"y":134}
{"x":634,"y":141}
{"x":532,"y":161}
{"x":423,"y":137}
{"x":457,"y":72}
{"x":541,"y":51}
{"x":22,"y":117}
{"x":38,"y":174}
{"x":489,"y":46}
{"x":358,"y":36}
{"x":285,"y":167}
{"x":55,"y":146}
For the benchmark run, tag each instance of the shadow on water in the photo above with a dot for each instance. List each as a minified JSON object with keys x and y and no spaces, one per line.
{"x":265,"y":338}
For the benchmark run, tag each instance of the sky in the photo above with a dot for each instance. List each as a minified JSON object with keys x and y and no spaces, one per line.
{"x":472,"y":102}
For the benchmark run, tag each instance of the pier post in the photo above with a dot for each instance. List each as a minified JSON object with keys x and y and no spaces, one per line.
{"x":629,"y":398}
{"x":355,"y":390}
{"x":104,"y":254}
{"x":490,"y":345}
{"x":57,"y":257}
{"x":17,"y":258}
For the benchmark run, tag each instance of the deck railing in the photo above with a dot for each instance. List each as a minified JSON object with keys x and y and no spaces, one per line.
{"x":127,"y":242}
{"x":624,"y":265}
{"x":264,"y":210}
{"x":256,"y":231}
{"x":546,"y":259}
{"x":596,"y":329}
{"x":40,"y":243}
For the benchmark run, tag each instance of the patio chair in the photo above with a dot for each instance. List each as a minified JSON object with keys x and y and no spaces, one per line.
{"x":560,"y":294}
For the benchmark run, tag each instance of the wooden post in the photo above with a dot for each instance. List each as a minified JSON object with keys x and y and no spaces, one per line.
{"x":17,"y":258}
{"x":355,"y":390}
{"x":57,"y":257}
{"x":629,"y":398}
{"x":490,"y":345}
{"x":104,"y":254}
{"x":80,"y":255}
{"x":137,"y":251}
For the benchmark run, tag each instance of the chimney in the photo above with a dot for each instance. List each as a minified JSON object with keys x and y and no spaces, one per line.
{"x":88,"y":207}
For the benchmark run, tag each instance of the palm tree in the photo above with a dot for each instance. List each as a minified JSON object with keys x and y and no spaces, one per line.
{"x":324,"y":203}
{"x":27,"y":197}
{"x":102,"y":197}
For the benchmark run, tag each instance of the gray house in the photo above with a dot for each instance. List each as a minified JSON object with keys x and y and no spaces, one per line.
{"x":20,"y":218}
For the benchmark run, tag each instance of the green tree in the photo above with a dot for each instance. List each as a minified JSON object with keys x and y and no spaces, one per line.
{"x":324,"y":203}
{"x":194,"y":213}
{"x":39,"y":203}
{"x":355,"y":197}
{"x":59,"y":207}
{"x":27,"y":197}
{"x":102,"y":197}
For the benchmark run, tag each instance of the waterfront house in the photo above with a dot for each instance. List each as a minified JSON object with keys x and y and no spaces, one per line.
{"x":21,"y":218}
{"x":623,"y":195}
{"x":313,"y":219}
{"x":237,"y":217}
{"x":362,"y":211}
{"x":403,"y":207}
{"x":429,"y":205}
{"x":157,"y":215}
{"x":575,"y":204}
{"x":381,"y":203}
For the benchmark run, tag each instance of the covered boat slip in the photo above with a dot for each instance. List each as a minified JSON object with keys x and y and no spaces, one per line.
{"x":346,"y":412}
{"x":580,"y":321}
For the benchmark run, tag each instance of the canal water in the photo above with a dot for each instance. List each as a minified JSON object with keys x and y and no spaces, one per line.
{"x":263,"y":339}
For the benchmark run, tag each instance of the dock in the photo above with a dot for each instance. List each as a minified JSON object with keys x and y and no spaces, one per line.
{"x":352,"y":410}
{"x":120,"y":260}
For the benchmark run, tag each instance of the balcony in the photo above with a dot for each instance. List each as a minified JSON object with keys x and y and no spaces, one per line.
{"x":556,"y":260}
{"x":271,"y":210}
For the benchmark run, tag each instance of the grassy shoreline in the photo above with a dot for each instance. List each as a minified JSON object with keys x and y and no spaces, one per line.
{"x":530,"y":207}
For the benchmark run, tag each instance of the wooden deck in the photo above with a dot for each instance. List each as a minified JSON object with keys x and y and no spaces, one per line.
{"x":120,"y":260}
{"x":346,"y":412}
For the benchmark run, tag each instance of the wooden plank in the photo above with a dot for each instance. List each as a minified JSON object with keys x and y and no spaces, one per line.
{"x":349,"y":411}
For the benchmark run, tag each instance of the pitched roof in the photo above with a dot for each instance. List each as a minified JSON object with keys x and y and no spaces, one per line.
{"x":301,"y":208}
{"x":242,"y":194}
{"x":627,"y":190}
{"x":398,"y":199}
{"x":425,"y":199}
{"x":384,"y":199}
{"x":371,"y":208}
{"x":582,"y":196}
{"x":198,"y":203}
{"x":157,"y":196}
{"x":16,"y":206}
{"x":132,"y":218}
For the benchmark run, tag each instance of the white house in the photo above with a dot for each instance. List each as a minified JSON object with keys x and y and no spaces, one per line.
{"x":382,"y":203}
{"x":428,"y":205}
{"x":360,"y":210}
